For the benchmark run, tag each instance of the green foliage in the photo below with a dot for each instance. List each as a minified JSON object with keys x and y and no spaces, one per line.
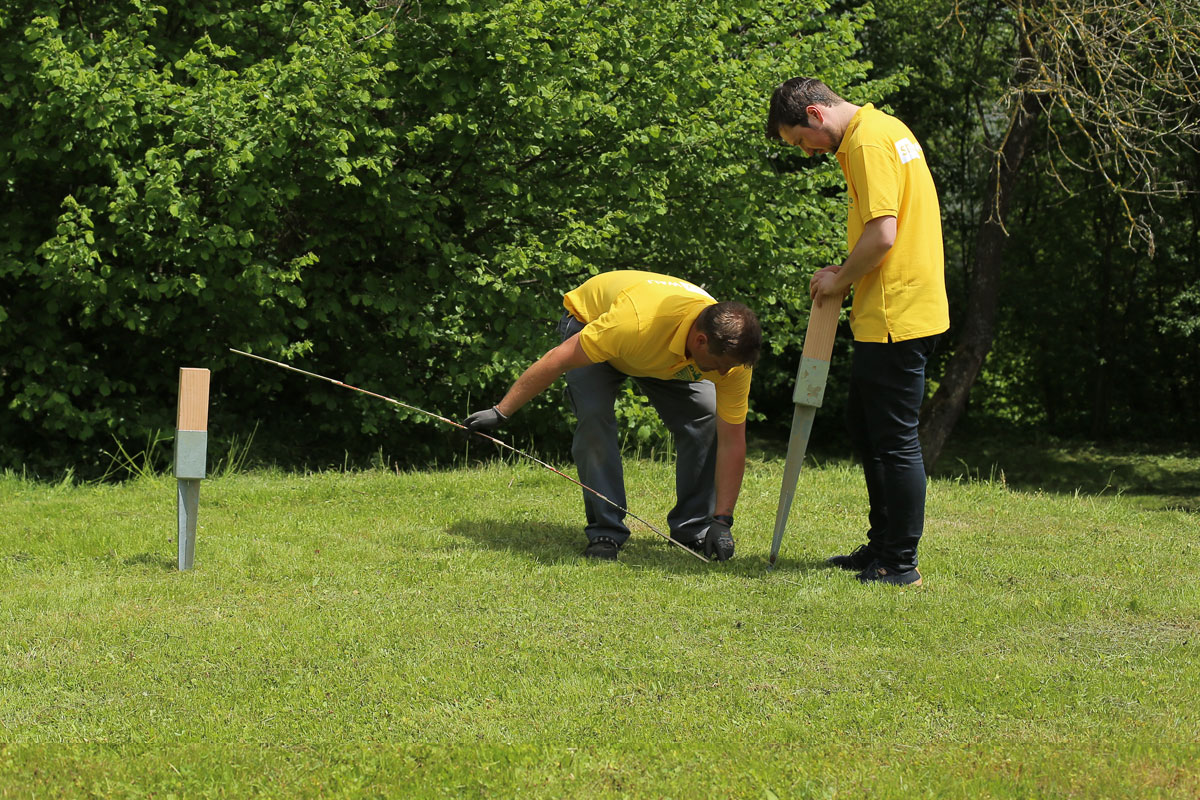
{"x":643,"y":432}
{"x":1104,"y":345}
{"x":399,"y":194}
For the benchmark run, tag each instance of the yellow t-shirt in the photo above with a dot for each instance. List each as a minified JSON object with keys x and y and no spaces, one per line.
{"x":639,"y":321}
{"x":887,"y":175}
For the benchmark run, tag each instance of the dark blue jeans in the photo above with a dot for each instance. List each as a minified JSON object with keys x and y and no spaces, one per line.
{"x":887,"y":385}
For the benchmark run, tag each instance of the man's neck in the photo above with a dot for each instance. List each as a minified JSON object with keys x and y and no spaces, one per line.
{"x":842,"y":114}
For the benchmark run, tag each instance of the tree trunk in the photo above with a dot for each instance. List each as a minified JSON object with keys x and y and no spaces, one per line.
{"x":943,"y":410}
{"x":1107,"y":332}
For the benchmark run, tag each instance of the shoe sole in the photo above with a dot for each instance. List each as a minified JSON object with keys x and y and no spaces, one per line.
{"x":829,"y":562}
{"x":847,"y":567}
{"x":917,"y":582}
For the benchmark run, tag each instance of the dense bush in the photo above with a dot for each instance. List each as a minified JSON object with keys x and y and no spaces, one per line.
{"x":393,"y":196}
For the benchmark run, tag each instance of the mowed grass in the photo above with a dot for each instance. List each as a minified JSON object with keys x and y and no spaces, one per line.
{"x":375,"y":634}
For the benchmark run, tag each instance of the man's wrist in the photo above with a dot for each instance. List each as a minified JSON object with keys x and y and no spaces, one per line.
{"x":725,"y":518}
{"x":840,"y":283}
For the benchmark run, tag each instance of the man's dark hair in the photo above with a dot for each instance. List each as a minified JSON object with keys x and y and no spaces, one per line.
{"x":792,"y":97}
{"x":731,"y":329}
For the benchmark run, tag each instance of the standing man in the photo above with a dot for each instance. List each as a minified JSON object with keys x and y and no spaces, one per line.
{"x":896,"y":268}
{"x":693,"y":358}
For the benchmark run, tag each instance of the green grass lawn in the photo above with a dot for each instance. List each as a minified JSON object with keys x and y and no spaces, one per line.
{"x":374,"y":634}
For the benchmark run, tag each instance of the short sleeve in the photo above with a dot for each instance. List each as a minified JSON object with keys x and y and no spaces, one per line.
{"x":733,"y":395}
{"x":875,"y":173}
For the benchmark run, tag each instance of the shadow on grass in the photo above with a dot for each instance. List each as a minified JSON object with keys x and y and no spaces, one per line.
{"x":798,"y":565}
{"x":150,"y":560}
{"x":1160,"y":477}
{"x":540,"y":541}
{"x":548,"y":543}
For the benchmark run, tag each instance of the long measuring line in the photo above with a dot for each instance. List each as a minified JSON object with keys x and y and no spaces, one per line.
{"x":492,"y":439}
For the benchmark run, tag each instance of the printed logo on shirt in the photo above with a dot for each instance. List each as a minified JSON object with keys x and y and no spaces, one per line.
{"x":688,"y":373}
{"x":682,"y":285}
{"x":907,"y":149}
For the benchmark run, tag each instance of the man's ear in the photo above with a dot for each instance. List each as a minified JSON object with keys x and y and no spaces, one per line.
{"x":817,"y":112}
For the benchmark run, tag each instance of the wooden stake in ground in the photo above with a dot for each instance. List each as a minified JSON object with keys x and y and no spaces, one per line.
{"x":808,"y":396}
{"x":191,"y":446}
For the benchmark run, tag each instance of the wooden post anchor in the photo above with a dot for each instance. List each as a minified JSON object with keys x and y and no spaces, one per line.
{"x":811,"y":378}
{"x":191,"y":446}
{"x":807,"y":397}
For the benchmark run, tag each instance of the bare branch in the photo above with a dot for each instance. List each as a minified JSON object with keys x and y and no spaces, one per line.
{"x":1123,"y":77}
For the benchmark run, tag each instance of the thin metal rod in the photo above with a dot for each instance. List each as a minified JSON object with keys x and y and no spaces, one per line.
{"x":492,"y":439}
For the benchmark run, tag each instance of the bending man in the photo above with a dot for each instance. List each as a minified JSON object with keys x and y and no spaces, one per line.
{"x":693,"y":358}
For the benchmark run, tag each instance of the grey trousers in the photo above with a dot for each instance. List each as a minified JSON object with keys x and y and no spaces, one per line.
{"x":688,"y":408}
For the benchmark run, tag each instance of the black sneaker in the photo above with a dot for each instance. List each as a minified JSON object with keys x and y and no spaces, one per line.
{"x":878,"y":573}
{"x":695,"y":545}
{"x":602,"y":548}
{"x":859,"y":560}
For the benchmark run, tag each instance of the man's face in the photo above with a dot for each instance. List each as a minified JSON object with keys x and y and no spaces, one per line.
{"x":707,"y":362}
{"x":814,"y":140}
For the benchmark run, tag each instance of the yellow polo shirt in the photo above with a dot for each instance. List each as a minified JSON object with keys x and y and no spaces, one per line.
{"x":639,"y":321}
{"x":887,"y":175}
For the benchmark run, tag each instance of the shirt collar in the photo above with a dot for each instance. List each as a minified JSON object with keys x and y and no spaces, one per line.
{"x":854,"y":123}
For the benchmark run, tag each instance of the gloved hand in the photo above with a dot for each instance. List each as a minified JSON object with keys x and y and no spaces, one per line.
{"x":484,"y":421}
{"x":718,"y":539}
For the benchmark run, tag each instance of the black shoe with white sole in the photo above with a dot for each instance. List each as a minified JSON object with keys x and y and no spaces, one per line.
{"x":859,"y":560}
{"x":602,"y":548}
{"x":695,"y":545}
{"x":889,"y":576}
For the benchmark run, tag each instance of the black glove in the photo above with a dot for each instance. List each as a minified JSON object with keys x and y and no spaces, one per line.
{"x":718,"y":539}
{"x":484,"y":421}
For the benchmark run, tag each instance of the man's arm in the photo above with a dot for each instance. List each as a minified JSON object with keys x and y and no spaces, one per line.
{"x":731,"y":464}
{"x":543,"y":372}
{"x":876,"y":240}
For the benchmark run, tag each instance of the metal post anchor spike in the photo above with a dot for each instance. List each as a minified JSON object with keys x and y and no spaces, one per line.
{"x":811,"y":377}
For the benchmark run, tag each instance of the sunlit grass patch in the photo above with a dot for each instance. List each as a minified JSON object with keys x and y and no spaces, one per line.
{"x":343,"y":633}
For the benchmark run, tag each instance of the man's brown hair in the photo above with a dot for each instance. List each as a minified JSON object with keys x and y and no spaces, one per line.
{"x":732,"y":328}
{"x":792,"y":97}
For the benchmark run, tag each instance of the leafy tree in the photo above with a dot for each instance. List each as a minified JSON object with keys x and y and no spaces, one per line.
{"x":398,"y":194}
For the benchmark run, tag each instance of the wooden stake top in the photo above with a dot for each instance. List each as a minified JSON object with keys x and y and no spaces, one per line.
{"x":822,"y":329}
{"x":193,"y":400}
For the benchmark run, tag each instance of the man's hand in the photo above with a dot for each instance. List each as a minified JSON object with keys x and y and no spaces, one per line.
{"x":835,"y":281}
{"x":484,"y":421}
{"x":824,"y":283}
{"x":718,"y":539}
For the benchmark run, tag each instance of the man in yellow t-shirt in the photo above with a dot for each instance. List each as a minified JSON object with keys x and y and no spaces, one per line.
{"x":896,"y":269}
{"x":692,"y":356}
